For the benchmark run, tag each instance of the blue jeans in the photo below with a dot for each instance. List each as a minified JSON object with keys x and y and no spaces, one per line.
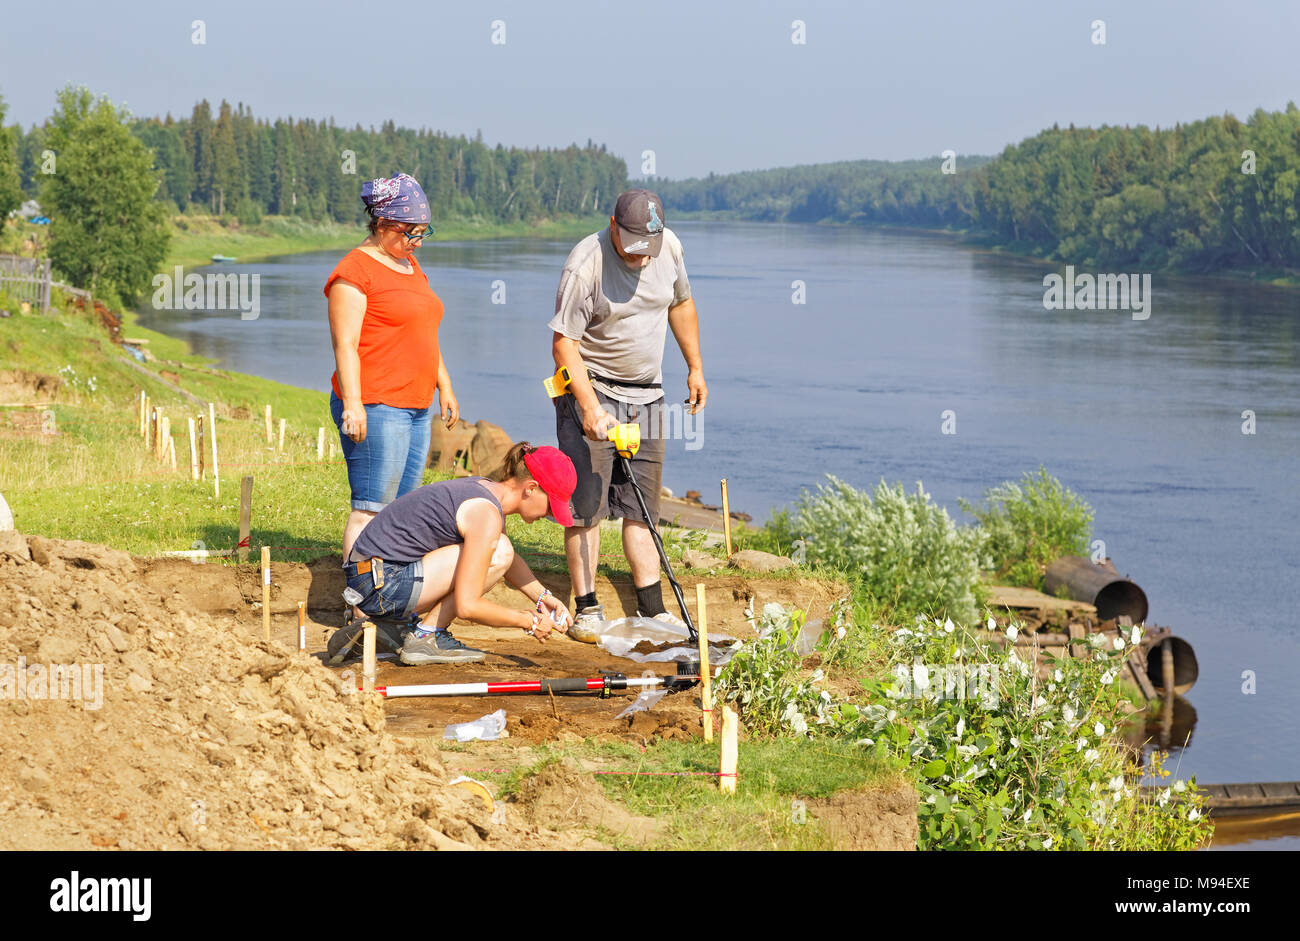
{"x":391,"y":460}
{"x":399,"y":596}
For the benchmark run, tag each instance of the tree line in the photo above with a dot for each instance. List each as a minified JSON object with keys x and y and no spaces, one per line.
{"x":1210,"y":195}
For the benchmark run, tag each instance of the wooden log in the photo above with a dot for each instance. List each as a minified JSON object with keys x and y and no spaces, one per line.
{"x":266,"y":593}
{"x":245,"y":516}
{"x":706,"y":672}
{"x":216,"y":474}
{"x":730,"y":752}
{"x":194,"y":452}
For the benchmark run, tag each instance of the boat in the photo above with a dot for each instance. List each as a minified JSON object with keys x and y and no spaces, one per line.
{"x":222,"y":259}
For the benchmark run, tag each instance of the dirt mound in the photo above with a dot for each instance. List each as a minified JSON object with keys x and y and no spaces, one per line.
{"x":19,"y":385}
{"x":129,"y":720}
{"x":562,"y":797}
{"x":869,"y":820}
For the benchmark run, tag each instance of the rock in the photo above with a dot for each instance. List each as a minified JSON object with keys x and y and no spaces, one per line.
{"x":14,"y":544}
{"x":753,"y":560}
{"x":700,"y":560}
{"x":138,"y":684}
{"x":665,"y":492}
{"x":34,"y":779}
{"x":82,"y":555}
{"x":116,"y":638}
{"x":487,"y":452}
{"x":444,"y":444}
{"x":6,"y":515}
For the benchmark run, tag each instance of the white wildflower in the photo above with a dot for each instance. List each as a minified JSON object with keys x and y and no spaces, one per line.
{"x":947,"y":626}
{"x":961,"y":727}
{"x":1047,"y":843}
{"x":1118,"y":642}
{"x":1012,"y":632}
{"x":1067,"y":712}
{"x":1116,"y":782}
{"x":1099,"y":730}
{"x":1108,"y":677}
{"x":840,"y":632}
{"x":993,"y":625}
{"x":1180,"y":786}
{"x":1193,"y":814}
{"x":1058,"y":676}
{"x":1091,"y":755}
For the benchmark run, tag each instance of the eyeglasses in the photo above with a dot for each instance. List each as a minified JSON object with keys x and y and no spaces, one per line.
{"x":420,"y":232}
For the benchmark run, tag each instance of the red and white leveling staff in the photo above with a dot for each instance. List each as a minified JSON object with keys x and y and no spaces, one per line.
{"x":611,"y":682}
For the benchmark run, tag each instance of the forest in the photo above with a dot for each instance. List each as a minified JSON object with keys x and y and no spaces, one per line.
{"x":1206,"y":196}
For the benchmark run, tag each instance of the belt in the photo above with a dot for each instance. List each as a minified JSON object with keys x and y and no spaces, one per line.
{"x":621,"y":382}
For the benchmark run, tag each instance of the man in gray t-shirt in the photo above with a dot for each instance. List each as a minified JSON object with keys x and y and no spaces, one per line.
{"x":620,"y":291}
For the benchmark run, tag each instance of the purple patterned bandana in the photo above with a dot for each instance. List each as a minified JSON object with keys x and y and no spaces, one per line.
{"x":400,"y":199}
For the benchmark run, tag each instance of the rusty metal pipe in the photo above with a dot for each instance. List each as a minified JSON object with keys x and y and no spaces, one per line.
{"x":1098,"y":585}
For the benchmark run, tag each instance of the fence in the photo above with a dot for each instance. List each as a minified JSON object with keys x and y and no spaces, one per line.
{"x":28,"y":279}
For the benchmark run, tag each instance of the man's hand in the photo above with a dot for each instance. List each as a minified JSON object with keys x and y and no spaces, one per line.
{"x":596,"y":422}
{"x":699,"y":392}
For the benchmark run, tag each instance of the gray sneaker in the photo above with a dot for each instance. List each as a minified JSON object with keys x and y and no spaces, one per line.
{"x":346,"y":641}
{"x":438,"y":647}
{"x":586,"y":625}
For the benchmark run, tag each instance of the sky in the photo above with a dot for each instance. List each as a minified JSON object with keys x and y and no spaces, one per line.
{"x":707,"y":86}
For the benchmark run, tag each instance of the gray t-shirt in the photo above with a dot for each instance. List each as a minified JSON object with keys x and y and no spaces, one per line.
{"x":619,"y":314}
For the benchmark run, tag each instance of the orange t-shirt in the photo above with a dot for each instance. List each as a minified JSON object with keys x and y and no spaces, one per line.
{"x":399,"y":335}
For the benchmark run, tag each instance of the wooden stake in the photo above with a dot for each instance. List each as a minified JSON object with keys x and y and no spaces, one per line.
{"x":216,"y":475}
{"x":727,"y":778}
{"x":331,"y":449}
{"x":144,"y":413}
{"x":706,"y":671}
{"x":302,"y":627}
{"x":266,"y":591}
{"x":171,"y":449}
{"x":151,"y":439}
{"x":726,"y":517}
{"x":203,"y":472}
{"x":320,"y":444}
{"x":368,"y":657}
{"x":147,"y":421}
{"x":281,"y":434}
{"x":164,"y":435}
{"x":269,"y":437}
{"x":194,"y":452}
{"x":245,"y":516}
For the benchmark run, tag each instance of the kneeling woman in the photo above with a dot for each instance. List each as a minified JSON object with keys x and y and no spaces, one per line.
{"x":442,"y":546}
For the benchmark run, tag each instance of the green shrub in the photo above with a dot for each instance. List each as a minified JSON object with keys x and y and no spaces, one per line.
{"x":765,"y":679}
{"x":1030,"y":524}
{"x":248,"y":212}
{"x":1009,"y":761}
{"x":906,"y":551}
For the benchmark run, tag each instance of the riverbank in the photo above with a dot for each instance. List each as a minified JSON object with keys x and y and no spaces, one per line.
{"x":980,"y":242}
{"x":195,"y":239}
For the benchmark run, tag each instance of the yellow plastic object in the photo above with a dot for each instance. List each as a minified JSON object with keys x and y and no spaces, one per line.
{"x":558,"y":384}
{"x":626,"y":438}
{"x":476,"y":788}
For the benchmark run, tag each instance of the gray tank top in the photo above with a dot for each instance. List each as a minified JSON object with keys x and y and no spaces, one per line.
{"x":420,"y":521}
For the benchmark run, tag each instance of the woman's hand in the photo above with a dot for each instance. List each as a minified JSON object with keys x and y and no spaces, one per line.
{"x":449,"y":408}
{"x":354,"y":421}
{"x":556,"y":613}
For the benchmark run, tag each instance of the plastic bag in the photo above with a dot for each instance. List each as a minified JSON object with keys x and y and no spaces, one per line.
{"x":486,"y":729}
{"x":671,"y":644}
{"x":643,"y":703}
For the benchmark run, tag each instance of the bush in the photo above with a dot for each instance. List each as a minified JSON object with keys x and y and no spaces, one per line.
{"x":1008,"y":761}
{"x":1030,"y":524}
{"x":906,"y":550}
{"x":248,"y":212}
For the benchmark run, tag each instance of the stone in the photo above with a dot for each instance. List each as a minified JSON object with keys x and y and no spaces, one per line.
{"x":754,"y":560}
{"x":487,"y":452}
{"x":14,"y":545}
{"x":445,"y":443}
{"x":700,"y":560}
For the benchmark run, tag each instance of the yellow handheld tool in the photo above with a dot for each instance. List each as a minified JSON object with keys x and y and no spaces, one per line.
{"x":626,"y":438}
{"x":558,"y":384}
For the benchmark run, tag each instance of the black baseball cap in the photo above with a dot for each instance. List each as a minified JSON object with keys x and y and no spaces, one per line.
{"x":639,"y":216}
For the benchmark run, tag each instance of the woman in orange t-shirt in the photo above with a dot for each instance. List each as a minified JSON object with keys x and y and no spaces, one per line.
{"x":384,"y":319}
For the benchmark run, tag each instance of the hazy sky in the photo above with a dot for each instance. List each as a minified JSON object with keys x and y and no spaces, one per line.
{"x":707,"y":86}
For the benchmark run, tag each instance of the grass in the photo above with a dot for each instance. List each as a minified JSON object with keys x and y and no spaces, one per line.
{"x":695,"y":814}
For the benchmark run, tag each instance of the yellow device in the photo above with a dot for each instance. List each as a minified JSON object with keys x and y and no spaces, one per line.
{"x":626,"y":438}
{"x":558,"y":384}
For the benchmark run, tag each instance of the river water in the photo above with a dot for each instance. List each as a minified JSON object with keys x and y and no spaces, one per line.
{"x":1143,"y":418}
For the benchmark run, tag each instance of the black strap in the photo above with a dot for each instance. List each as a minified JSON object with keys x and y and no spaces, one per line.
{"x":620,"y":382}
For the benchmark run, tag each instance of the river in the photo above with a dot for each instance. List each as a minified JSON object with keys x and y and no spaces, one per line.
{"x":1143,"y":418}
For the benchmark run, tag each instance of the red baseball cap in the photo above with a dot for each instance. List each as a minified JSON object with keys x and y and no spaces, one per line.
{"x":558,"y":478}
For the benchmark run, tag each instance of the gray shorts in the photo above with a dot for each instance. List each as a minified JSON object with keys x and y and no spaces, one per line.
{"x":603,"y":490}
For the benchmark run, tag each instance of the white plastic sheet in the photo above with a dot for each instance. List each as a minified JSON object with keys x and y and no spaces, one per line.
{"x":486,"y":729}
{"x":673,"y":644}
